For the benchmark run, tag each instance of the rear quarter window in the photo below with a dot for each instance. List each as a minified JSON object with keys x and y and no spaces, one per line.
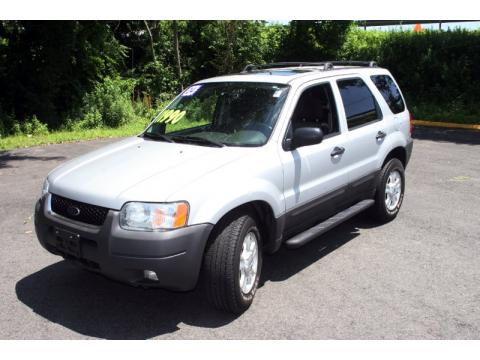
{"x":390,"y":92}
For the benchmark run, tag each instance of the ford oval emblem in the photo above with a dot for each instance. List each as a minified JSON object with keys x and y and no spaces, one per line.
{"x":73,"y":211}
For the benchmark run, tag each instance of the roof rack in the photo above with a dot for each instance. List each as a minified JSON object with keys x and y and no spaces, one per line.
{"x":327,"y":65}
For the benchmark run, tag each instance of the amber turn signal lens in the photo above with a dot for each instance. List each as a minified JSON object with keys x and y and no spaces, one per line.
{"x":181,"y":215}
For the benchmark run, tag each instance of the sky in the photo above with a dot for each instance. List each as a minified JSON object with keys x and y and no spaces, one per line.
{"x":470,"y":25}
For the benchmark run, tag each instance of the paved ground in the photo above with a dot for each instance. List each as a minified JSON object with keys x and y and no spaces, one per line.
{"x":417,"y":277}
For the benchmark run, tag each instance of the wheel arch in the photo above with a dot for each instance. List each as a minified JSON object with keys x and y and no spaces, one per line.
{"x":399,"y":153}
{"x":269,"y":226}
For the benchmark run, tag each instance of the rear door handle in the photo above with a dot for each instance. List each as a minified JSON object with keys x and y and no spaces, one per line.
{"x":337,"y":150}
{"x":380,"y":135}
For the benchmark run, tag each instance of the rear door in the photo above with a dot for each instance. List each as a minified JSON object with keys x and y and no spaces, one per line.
{"x":393,"y":99}
{"x":366,"y":133}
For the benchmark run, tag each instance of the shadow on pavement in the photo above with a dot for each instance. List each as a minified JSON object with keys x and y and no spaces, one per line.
{"x":286,"y":263}
{"x":468,"y":137}
{"x":6,"y":157}
{"x":92,"y":305}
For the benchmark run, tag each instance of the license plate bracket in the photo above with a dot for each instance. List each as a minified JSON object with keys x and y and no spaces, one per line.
{"x":68,"y":242}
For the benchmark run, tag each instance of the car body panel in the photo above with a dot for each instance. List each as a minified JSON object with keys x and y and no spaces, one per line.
{"x":310,"y":172}
{"x":136,"y":170}
{"x":257,"y":176}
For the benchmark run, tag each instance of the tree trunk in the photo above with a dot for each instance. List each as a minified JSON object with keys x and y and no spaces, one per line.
{"x":151,"y":39}
{"x":230,"y":27}
{"x":177,"y":52}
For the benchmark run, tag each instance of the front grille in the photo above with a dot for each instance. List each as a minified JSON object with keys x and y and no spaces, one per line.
{"x":79,"y":211}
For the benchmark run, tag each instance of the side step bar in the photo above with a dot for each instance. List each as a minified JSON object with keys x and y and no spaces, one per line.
{"x":312,"y":233}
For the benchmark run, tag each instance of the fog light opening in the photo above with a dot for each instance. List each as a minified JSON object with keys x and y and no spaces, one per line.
{"x":150,"y":275}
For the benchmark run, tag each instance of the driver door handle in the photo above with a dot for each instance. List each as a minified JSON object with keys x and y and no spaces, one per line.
{"x":381,"y":135}
{"x":337,"y":150}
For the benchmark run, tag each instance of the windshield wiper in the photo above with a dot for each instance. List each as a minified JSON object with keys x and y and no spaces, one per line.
{"x":158,"y":137}
{"x":199,"y":140}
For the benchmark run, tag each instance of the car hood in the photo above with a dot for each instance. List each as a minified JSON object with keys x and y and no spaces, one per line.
{"x":113,"y":175}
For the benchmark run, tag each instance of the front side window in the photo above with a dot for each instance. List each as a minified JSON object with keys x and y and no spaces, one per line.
{"x":390,"y":92}
{"x":224,"y":113}
{"x":360,"y":105}
{"x":316,"y":108}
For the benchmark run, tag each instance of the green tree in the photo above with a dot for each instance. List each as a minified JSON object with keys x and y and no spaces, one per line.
{"x":314,"y":40}
{"x":219,"y":47}
{"x":47,"y":66}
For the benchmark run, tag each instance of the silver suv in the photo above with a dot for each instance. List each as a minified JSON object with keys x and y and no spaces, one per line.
{"x":234,"y":167}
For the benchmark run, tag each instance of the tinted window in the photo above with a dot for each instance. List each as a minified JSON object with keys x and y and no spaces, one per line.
{"x":390,"y":92}
{"x":316,"y":108}
{"x":360,"y":105}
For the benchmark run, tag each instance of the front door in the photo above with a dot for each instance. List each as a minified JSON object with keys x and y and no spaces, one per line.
{"x":315,"y":178}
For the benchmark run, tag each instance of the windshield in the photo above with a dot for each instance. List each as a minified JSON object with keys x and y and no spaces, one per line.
{"x":227,"y":113}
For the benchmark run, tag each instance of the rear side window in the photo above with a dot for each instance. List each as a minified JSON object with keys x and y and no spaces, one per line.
{"x":360,"y":105}
{"x":390,"y":92}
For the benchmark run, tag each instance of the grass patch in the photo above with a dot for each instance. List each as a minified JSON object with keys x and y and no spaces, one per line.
{"x":21,"y":141}
{"x":457,"y":115}
{"x":58,"y":137}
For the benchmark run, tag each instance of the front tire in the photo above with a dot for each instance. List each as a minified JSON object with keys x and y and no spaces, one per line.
{"x":232,"y":264}
{"x":389,"y":192}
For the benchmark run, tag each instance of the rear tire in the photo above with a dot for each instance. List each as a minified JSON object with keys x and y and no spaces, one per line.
{"x":232,"y":264}
{"x":389,"y":192}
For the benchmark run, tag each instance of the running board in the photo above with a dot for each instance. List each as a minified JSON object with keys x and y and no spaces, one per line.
{"x":312,"y":233}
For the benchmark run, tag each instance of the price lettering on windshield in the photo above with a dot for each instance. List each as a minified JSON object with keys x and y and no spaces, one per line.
{"x":171,"y":116}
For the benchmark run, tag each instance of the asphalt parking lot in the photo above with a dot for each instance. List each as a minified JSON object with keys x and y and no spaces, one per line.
{"x":417,"y":277}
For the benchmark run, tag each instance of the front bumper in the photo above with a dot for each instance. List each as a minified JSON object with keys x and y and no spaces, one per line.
{"x":174,"y":255}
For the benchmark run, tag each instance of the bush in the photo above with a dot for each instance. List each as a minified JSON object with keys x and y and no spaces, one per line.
{"x":109,"y":104}
{"x":33,"y":126}
{"x":90,"y":120}
{"x":6,"y":124}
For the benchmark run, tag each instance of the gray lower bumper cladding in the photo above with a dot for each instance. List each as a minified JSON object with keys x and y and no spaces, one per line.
{"x":174,"y":257}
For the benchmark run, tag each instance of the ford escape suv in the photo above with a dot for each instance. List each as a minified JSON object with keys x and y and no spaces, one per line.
{"x":234,"y":167}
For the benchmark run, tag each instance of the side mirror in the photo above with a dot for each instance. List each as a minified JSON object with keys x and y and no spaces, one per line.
{"x":305,"y":136}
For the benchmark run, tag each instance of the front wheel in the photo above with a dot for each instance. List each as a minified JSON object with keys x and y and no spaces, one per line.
{"x":232,"y":264}
{"x":389,"y":192}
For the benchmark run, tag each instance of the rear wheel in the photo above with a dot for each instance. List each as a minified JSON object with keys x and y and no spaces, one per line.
{"x":389,"y":192}
{"x":232,"y":264}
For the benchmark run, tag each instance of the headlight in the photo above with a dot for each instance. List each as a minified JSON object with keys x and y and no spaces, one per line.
{"x":45,"y":187}
{"x":150,"y":217}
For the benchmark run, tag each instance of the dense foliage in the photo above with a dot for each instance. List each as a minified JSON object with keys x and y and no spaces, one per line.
{"x":77,"y":74}
{"x":47,"y":67}
{"x":438,"y":71}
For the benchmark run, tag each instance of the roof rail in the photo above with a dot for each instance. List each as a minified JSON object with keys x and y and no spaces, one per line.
{"x":327,"y":65}
{"x":354,"y":63}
